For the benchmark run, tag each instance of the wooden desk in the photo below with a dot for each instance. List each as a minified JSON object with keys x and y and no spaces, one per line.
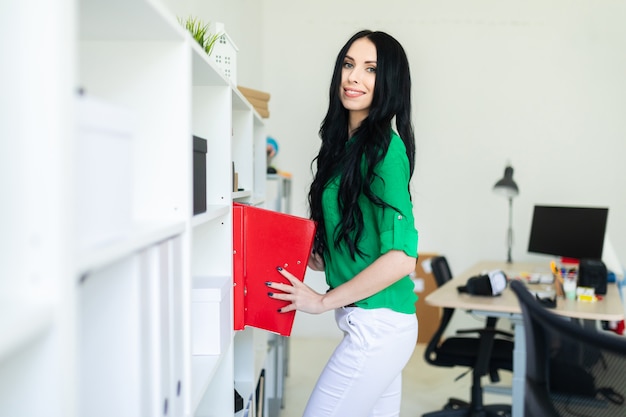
{"x":610,"y":308}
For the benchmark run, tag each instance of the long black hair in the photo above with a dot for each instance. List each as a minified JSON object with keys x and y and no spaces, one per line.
{"x":337,"y":157}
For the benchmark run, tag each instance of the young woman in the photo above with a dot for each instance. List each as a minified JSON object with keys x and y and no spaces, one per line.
{"x":366,"y":240}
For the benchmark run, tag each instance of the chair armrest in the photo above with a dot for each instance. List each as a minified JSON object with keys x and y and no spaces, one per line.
{"x":477,"y":330}
{"x":486,"y":330}
{"x":503,"y":333}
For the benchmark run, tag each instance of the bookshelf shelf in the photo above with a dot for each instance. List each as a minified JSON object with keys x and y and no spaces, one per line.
{"x":34,"y":317}
{"x":105,"y":327}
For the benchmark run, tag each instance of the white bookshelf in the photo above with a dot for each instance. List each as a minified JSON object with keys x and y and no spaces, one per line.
{"x":96,"y":323}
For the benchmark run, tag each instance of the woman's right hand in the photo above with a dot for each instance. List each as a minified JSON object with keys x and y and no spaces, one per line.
{"x":316,"y":261}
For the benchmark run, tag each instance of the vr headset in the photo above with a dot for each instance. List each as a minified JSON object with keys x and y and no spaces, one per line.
{"x":491,"y":283}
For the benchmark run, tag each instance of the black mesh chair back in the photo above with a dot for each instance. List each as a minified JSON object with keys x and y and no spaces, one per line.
{"x":571,"y":369}
{"x":441,"y":270}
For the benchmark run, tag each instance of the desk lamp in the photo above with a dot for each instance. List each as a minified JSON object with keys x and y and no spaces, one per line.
{"x":508,"y":188}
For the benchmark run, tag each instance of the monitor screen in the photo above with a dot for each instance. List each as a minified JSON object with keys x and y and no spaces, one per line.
{"x":570,"y":232}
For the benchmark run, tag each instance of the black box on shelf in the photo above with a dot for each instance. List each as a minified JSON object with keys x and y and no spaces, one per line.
{"x":199,"y":175}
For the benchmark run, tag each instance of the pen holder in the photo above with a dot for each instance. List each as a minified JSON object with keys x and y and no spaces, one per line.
{"x":569,"y":288}
{"x":558,"y":289}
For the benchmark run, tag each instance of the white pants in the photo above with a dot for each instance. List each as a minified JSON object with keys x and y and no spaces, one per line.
{"x":363,"y":377}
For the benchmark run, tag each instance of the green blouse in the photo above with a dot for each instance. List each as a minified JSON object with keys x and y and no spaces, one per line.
{"x":384,"y":230}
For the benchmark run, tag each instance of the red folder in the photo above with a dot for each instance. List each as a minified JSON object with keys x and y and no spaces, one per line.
{"x":262,"y":240}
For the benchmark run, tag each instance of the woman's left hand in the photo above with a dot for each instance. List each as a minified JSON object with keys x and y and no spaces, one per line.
{"x":301,"y":296}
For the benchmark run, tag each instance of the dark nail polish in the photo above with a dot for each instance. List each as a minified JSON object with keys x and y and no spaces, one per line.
{"x":279,"y":310}
{"x":279,"y":268}
{"x":270,"y":293}
{"x":268,"y":283}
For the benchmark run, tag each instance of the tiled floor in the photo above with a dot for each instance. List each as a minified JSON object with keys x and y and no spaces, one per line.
{"x":425,"y":388}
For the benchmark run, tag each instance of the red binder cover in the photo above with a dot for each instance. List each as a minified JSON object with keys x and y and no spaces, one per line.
{"x":262,"y":240}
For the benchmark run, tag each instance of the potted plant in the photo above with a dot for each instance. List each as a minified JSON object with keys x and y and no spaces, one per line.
{"x":200,"y":32}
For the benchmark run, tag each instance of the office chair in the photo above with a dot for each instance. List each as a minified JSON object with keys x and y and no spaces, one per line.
{"x":571,"y":370}
{"x":483,"y":354}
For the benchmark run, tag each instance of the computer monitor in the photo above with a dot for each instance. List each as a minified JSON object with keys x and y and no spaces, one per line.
{"x":569,"y":232}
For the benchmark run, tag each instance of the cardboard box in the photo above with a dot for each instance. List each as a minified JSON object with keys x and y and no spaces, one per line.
{"x":258,"y":104}
{"x":428,"y":316}
{"x":258,"y":99}
{"x":264,"y":113}
{"x":252,"y":93}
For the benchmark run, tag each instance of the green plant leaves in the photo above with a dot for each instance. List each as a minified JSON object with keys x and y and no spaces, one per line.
{"x":200,"y":32}
{"x":210,"y":41}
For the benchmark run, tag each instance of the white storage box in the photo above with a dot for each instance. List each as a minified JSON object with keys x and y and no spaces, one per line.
{"x":224,"y":53}
{"x":211,"y":323}
{"x":103,"y":172}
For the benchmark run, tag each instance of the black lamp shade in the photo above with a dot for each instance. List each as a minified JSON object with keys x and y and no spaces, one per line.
{"x":506,"y":186}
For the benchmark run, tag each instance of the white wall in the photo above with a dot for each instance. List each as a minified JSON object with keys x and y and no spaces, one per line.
{"x":540,"y":84}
